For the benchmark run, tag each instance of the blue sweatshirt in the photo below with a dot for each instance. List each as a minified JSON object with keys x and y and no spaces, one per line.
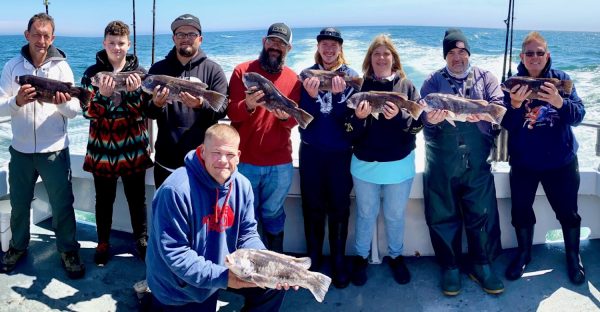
{"x":185,"y":261}
{"x":546,"y":141}
{"x":327,"y":130}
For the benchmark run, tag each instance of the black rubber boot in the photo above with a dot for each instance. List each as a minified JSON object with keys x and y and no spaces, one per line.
{"x":451,"y":281}
{"x":574,"y":266}
{"x":338,"y":232}
{"x":274,"y":242}
{"x":314,"y":231}
{"x":517,"y":266}
{"x":484,"y":275}
{"x":359,"y":270}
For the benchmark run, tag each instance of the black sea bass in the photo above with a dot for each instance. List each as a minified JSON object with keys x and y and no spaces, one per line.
{"x":46,"y":88}
{"x":267,"y":268}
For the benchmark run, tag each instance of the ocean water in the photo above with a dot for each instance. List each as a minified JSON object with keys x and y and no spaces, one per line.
{"x":420,"y":48}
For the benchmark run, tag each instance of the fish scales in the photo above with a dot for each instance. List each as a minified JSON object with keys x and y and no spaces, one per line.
{"x":46,"y":88}
{"x":535,"y":84}
{"x":119,"y":78}
{"x":211,"y":99}
{"x":326,"y":76}
{"x":377,"y":100}
{"x":274,"y":99}
{"x":459,"y":107}
{"x":267,"y":269}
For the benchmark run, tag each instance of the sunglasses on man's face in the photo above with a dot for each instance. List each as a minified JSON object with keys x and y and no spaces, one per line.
{"x":534,"y":53}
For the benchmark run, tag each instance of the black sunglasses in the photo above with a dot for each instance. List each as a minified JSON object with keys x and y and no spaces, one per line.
{"x":532,"y":53}
{"x":331,"y":33}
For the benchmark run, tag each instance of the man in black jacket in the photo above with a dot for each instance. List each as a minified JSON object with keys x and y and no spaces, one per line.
{"x":181,"y":126}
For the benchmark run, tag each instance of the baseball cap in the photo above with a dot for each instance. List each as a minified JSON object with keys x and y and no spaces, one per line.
{"x":330,"y":33}
{"x":280,"y":31}
{"x":186,"y":20}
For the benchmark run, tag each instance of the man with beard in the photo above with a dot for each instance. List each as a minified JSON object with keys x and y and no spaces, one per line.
{"x":265,"y":136}
{"x":181,"y":126}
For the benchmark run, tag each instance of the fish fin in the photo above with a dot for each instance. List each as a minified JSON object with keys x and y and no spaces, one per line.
{"x":567,"y":86}
{"x":260,"y":280}
{"x":451,"y":121}
{"x":481,"y":102}
{"x":319,"y":285}
{"x":304,"y":262}
{"x":214,"y":100}
{"x":415,"y":110}
{"x":84,"y":95}
{"x":355,"y":82}
{"x":496,"y":113}
{"x":375,"y":115}
{"x":304,"y":118}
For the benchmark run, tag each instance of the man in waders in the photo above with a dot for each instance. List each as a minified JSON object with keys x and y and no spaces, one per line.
{"x":458,"y":185}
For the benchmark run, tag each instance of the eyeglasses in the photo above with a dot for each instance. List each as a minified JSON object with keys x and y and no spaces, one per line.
{"x":191,"y":35}
{"x":534,"y":53}
{"x":277,"y":42}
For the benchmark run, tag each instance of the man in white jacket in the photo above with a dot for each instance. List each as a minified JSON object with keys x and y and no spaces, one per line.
{"x":40,"y":145}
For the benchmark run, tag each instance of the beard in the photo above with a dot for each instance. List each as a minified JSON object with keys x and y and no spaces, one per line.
{"x":187,"y":51}
{"x":270,"y":64}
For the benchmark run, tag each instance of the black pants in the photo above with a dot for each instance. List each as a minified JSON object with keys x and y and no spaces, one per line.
{"x":560,"y":185}
{"x":325,"y":183}
{"x":135,"y":191}
{"x":160,"y":175}
{"x":255,"y":300}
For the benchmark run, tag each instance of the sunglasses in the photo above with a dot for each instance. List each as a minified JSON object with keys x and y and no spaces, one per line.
{"x":331,"y":33}
{"x":536,"y":53}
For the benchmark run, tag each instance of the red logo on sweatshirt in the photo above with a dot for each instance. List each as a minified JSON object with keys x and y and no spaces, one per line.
{"x":221,"y":220}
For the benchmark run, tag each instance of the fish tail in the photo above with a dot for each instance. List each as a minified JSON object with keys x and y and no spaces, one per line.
{"x":318,"y":284}
{"x":497,"y":112}
{"x":567,"y":86}
{"x":84,"y":95}
{"x":304,"y":118}
{"x":355,"y":82}
{"x":415,"y":110}
{"x":215,"y":100}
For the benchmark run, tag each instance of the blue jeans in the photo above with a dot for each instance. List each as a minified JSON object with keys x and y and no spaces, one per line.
{"x":270,"y":185}
{"x":395,"y":198}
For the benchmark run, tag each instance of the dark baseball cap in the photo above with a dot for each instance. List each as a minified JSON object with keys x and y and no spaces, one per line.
{"x":186,"y":20}
{"x":280,"y":31}
{"x":331,"y":34}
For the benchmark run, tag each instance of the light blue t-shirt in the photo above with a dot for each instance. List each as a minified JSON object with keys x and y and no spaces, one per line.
{"x":384,"y":172}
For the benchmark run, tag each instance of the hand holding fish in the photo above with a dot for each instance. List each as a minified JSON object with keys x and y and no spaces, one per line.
{"x":518,"y":94}
{"x":436,"y":116}
{"x":550,"y":94}
{"x":233,"y":281}
{"x":190,"y":100}
{"x":338,"y":85}
{"x":253,"y":96}
{"x":311,"y":85}
{"x":280,"y":114}
{"x":61,"y":97}
{"x":25,"y":95}
{"x":390,"y":110}
{"x":363,"y":110}
{"x":475,"y":118}
{"x":133,"y":82}
{"x":107,"y":86}
{"x":160,"y":95}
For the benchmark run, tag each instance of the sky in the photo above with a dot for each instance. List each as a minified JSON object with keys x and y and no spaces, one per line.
{"x":88,"y":18}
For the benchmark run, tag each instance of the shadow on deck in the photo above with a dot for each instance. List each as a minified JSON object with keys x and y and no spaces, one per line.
{"x":40,"y":284}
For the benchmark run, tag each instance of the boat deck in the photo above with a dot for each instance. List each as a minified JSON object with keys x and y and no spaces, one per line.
{"x":40,"y":284}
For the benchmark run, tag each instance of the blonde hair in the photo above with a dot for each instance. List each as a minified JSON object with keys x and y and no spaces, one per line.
{"x":386,"y":41}
{"x":223,"y":132}
{"x":340,"y":59}
{"x":534,"y":36}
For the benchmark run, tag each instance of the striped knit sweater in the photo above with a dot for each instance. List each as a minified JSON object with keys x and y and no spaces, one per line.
{"x":118,"y":143}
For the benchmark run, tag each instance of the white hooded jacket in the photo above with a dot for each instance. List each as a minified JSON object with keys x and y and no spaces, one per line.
{"x":37,"y":127}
